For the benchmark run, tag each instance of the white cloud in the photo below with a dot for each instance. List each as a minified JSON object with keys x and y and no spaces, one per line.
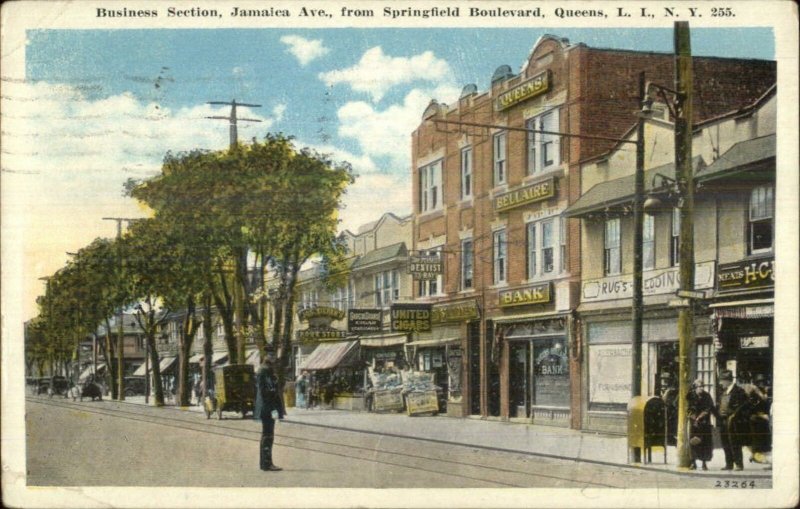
{"x":65,"y":158}
{"x":376,"y":73}
{"x":278,"y":111}
{"x":386,"y":132}
{"x":305,"y":50}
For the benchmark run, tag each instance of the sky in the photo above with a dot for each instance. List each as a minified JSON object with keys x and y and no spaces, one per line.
{"x":98,"y":107}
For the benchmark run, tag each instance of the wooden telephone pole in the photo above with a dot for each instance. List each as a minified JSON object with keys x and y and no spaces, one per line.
{"x":241,"y":258}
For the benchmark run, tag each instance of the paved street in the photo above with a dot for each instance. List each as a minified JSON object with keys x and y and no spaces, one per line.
{"x":127,"y":444}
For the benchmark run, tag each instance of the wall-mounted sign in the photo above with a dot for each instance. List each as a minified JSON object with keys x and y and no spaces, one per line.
{"x":530,"y":193}
{"x":535,"y":294}
{"x":411,"y":317}
{"x":364,"y":320}
{"x":425,"y":267}
{"x":746,"y":274}
{"x":654,"y":282}
{"x":455,"y":311}
{"x":320,"y":312}
{"x":537,"y":85}
{"x":754,"y":342}
{"x":321,"y":334}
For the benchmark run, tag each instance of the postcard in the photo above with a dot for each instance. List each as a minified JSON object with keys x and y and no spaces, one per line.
{"x":399,"y":254}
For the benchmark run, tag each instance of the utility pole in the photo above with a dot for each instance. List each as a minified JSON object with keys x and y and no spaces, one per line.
{"x":241,"y":257}
{"x":638,"y":264}
{"x":685,"y":180}
{"x":120,"y":330}
{"x":233,"y":118}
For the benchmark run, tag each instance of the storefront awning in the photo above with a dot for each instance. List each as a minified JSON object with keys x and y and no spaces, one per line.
{"x":253,"y":358}
{"x":387,"y":340}
{"x":141,"y":370}
{"x":434,"y":342}
{"x":218,"y":358}
{"x":754,"y":308}
{"x":166,"y":363}
{"x":331,"y":355}
{"x":196,"y":358}
{"x":88,"y":371}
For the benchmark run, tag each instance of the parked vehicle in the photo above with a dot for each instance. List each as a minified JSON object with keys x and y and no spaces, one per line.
{"x":135,"y":385}
{"x":235,"y":390}
{"x":91,"y":390}
{"x":59,"y":386}
{"x":42,"y":385}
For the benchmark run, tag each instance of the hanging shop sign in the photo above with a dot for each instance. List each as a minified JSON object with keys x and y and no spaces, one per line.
{"x":411,"y":317}
{"x":746,"y":274}
{"x":425,"y":267}
{"x":535,"y":294}
{"x":320,"y":316}
{"x":654,"y":282}
{"x":537,"y":85}
{"x":524,"y":195}
{"x":455,"y":311}
{"x":364,"y":320}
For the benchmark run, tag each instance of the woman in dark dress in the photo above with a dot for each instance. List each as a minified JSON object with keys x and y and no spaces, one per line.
{"x":701,"y":407}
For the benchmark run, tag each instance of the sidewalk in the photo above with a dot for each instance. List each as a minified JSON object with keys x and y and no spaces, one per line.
{"x":544,"y":441}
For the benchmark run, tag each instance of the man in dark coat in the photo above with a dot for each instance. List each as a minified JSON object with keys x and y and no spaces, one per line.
{"x":269,"y":407}
{"x":731,"y":399}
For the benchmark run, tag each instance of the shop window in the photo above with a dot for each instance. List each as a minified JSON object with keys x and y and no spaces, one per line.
{"x":612,"y":255}
{"x":562,"y":237}
{"x":500,"y":252}
{"x":430,"y":183}
{"x":466,"y":173}
{"x":467,"y":267}
{"x":500,"y":168}
{"x":705,"y":365}
{"x":543,"y":148}
{"x":760,"y":225}
{"x":675,"y":241}
{"x":648,"y":243}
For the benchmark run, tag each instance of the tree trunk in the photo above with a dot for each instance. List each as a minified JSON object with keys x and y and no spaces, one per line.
{"x":158,"y":388}
{"x":184,"y":351}
{"x":111,"y":369}
{"x":208,"y":345}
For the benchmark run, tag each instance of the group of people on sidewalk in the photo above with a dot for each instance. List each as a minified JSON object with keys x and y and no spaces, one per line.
{"x":742,"y":417}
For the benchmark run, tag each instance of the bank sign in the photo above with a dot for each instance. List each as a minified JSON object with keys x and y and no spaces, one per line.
{"x":654,"y":282}
{"x":537,"y":85}
{"x":411,"y":317}
{"x":746,"y":274}
{"x":364,"y":320}
{"x":524,"y":195}
{"x":535,"y":294}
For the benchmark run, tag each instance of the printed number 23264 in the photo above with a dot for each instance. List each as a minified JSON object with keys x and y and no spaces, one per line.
{"x":735,"y":484}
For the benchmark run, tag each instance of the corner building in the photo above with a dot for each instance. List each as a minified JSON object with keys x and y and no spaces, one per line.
{"x":488,"y":199}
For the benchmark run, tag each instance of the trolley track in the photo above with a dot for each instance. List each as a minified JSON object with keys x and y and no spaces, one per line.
{"x":515,"y":472}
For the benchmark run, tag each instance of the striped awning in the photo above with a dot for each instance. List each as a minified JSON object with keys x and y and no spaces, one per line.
{"x":385,"y":340}
{"x":756,"y":308}
{"x":331,"y":355}
{"x":166,"y":363}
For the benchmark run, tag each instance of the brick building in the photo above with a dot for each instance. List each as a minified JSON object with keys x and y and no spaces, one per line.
{"x":488,"y":199}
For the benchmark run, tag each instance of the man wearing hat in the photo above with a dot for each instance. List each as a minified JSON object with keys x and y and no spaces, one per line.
{"x":731,"y":399}
{"x":269,"y":408}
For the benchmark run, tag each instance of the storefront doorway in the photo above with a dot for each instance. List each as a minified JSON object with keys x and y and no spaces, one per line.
{"x":474,"y":373}
{"x":538,"y":376}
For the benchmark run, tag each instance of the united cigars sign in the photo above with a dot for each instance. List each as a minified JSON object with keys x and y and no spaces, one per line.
{"x":535,"y":294}
{"x":537,"y":85}
{"x":425,"y":267}
{"x":411,"y":317}
{"x":759,"y":273}
{"x":364,"y":320}
{"x":531,"y":193}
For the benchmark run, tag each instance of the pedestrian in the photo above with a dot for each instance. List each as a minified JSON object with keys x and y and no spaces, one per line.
{"x":301,"y":388}
{"x":701,"y":408}
{"x":760,"y":426}
{"x":732,"y":399}
{"x":197,"y":392}
{"x":269,"y":408}
{"x":669,"y":394}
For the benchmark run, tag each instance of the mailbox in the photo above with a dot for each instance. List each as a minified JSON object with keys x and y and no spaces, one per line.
{"x":647,"y":426}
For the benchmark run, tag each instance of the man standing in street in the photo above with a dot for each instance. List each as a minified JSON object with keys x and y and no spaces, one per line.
{"x":269,"y":408}
{"x":731,"y":399}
